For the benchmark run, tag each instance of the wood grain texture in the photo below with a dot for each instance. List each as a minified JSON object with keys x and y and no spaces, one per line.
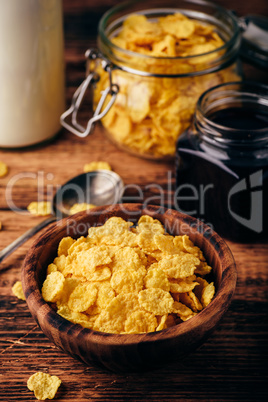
{"x":230,"y":366}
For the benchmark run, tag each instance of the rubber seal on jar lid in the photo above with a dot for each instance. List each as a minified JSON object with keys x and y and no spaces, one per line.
{"x":254,"y":46}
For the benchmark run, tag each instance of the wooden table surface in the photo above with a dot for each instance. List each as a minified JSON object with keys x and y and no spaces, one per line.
{"x":230,"y":366}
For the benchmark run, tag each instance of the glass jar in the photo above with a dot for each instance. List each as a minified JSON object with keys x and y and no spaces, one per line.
{"x":222,"y":161}
{"x":148,"y":101}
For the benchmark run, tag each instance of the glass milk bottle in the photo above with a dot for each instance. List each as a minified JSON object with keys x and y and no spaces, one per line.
{"x":31,"y":71}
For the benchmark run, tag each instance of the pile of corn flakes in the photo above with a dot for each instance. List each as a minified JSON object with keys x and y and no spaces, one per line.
{"x":150,"y":113}
{"x":123,"y":279}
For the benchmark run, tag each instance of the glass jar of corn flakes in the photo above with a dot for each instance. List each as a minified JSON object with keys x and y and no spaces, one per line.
{"x":153,"y":61}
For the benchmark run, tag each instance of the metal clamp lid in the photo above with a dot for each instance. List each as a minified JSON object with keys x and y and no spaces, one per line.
{"x":254,"y":46}
{"x":91,"y":78}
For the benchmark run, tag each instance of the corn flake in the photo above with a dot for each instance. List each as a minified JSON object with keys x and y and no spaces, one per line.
{"x":207,"y":294}
{"x":105,"y":294}
{"x":139,"y":322}
{"x":53,"y":286}
{"x":182,"y":311}
{"x":60,"y":262}
{"x":179,"y":266}
{"x":100,"y":274}
{"x":202,"y":283}
{"x":162,"y":322}
{"x":127,"y":280}
{"x":148,"y":224}
{"x":41,"y":208}
{"x":183,"y":285}
{"x":203,"y":268}
{"x":64,"y":245}
{"x":138,"y":102}
{"x":68,"y":287}
{"x":85,"y":262}
{"x":190,"y":300}
{"x":76,"y":318}
{"x":126,"y":258}
{"x":18,"y":291}
{"x":177,"y":25}
{"x":44,"y":385}
{"x":81,"y":244}
{"x":83,"y":296}
{"x":190,"y":248}
{"x":146,"y":242}
{"x":156,"y":278}
{"x":51,"y":268}
{"x":3,"y":169}
{"x":83,"y":206}
{"x":113,"y":318}
{"x":165,"y":243}
{"x":100,"y":165}
{"x":156,"y":300}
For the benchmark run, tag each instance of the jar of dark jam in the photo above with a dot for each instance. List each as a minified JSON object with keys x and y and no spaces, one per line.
{"x":222,"y":161}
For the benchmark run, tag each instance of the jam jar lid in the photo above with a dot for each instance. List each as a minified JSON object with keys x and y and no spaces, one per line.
{"x":254,"y":45}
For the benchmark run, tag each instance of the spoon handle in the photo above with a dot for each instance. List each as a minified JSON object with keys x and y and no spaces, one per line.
{"x":20,"y":240}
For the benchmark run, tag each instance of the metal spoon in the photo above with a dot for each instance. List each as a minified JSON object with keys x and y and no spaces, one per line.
{"x":100,"y":187}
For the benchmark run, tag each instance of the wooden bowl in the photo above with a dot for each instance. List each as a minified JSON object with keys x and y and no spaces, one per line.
{"x":131,"y":352}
